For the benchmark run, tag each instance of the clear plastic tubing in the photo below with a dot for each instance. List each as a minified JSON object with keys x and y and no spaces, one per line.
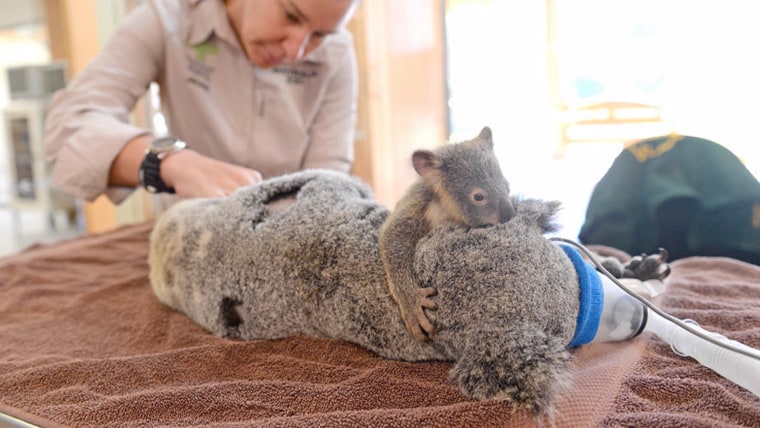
{"x":622,"y":318}
{"x":738,"y":368}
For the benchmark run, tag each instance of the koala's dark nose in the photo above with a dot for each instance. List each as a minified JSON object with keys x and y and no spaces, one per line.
{"x":506,"y":210}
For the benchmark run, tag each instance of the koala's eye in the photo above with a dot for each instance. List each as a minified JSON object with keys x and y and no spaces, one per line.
{"x":478,"y":197}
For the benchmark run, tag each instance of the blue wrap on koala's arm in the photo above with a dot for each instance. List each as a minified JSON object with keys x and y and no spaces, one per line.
{"x":591,"y":299}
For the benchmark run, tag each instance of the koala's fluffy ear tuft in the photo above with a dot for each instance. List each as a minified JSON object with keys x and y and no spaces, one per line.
{"x":485,"y":138}
{"x":425,"y":161}
{"x":486,"y":134}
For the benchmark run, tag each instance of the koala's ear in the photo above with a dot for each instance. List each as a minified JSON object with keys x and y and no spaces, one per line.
{"x":425,"y":161}
{"x":523,"y":366}
{"x":486,"y":136}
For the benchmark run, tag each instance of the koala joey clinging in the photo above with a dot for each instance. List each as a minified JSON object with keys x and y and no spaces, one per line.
{"x":459,"y":183}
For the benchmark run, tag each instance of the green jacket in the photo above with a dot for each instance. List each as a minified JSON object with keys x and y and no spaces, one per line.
{"x":688,"y":195}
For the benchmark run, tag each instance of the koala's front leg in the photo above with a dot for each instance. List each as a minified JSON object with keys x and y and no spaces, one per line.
{"x":397,"y":244}
{"x":411,"y":300}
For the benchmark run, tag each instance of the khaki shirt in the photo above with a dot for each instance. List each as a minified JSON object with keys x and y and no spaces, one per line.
{"x":276,"y":121}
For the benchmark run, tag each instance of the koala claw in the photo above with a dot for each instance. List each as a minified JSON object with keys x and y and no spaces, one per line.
{"x":662,"y":258}
{"x":420,"y":326}
{"x":646,"y":267}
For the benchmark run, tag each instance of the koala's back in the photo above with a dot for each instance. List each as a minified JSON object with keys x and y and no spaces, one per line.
{"x":312,"y":266}
{"x":514,"y":275}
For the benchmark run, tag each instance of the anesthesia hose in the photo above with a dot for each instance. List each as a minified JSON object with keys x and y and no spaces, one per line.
{"x":618,"y":313}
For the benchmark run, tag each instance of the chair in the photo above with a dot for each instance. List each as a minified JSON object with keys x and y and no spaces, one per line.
{"x":612,"y":122}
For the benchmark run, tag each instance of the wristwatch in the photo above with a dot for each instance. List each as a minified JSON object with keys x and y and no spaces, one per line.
{"x":150,"y":168}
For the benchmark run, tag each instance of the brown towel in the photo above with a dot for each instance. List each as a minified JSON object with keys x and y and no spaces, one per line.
{"x":722,"y":295}
{"x":85,"y":343}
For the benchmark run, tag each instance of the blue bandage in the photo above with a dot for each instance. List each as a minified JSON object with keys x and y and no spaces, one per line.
{"x":591,"y":299}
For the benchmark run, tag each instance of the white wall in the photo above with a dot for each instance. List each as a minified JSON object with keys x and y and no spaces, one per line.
{"x":21,"y":12}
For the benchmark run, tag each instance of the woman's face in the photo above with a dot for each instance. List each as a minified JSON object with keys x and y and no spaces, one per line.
{"x":274,"y":32}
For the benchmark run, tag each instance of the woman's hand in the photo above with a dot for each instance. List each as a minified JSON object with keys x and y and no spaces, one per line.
{"x":193,"y":175}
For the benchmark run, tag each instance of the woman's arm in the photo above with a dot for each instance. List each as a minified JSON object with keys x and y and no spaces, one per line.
{"x":88,"y":122}
{"x":91,"y":144}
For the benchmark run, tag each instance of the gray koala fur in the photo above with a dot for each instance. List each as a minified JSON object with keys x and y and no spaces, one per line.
{"x":298,"y":255}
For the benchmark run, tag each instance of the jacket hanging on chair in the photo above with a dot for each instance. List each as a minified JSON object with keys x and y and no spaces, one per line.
{"x":686,"y":194}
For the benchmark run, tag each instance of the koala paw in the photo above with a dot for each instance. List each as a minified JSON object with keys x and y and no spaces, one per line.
{"x":645,"y":267}
{"x":417,"y":323}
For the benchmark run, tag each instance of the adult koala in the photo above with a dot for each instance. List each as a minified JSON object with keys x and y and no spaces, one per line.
{"x":298,"y":255}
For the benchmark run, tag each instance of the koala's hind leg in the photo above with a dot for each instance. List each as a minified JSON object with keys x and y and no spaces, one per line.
{"x":642,"y":267}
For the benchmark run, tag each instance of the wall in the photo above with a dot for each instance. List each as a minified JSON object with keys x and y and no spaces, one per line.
{"x":17,"y":13}
{"x":403,"y":94}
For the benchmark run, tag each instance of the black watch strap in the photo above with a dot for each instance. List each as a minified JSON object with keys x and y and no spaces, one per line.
{"x":150,"y":176}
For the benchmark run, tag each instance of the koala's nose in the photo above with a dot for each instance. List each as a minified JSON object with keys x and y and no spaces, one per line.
{"x":506,"y":211}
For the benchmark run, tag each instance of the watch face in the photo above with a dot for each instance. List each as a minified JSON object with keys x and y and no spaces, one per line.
{"x":166,"y":145}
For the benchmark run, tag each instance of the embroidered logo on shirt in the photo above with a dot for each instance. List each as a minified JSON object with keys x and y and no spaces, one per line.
{"x":296,"y":75}
{"x":200,"y":73}
{"x":203,"y":49}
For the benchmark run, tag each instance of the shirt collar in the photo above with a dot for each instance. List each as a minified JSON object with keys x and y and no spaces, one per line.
{"x":207,"y":17}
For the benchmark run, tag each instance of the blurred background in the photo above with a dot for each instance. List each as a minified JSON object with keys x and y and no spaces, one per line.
{"x":564,"y":84}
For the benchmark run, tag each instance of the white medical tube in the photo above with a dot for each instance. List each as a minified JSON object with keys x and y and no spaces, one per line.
{"x":622,"y":316}
{"x":734,"y":366}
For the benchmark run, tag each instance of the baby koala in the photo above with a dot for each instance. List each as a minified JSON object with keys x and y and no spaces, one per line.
{"x":458,"y":183}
